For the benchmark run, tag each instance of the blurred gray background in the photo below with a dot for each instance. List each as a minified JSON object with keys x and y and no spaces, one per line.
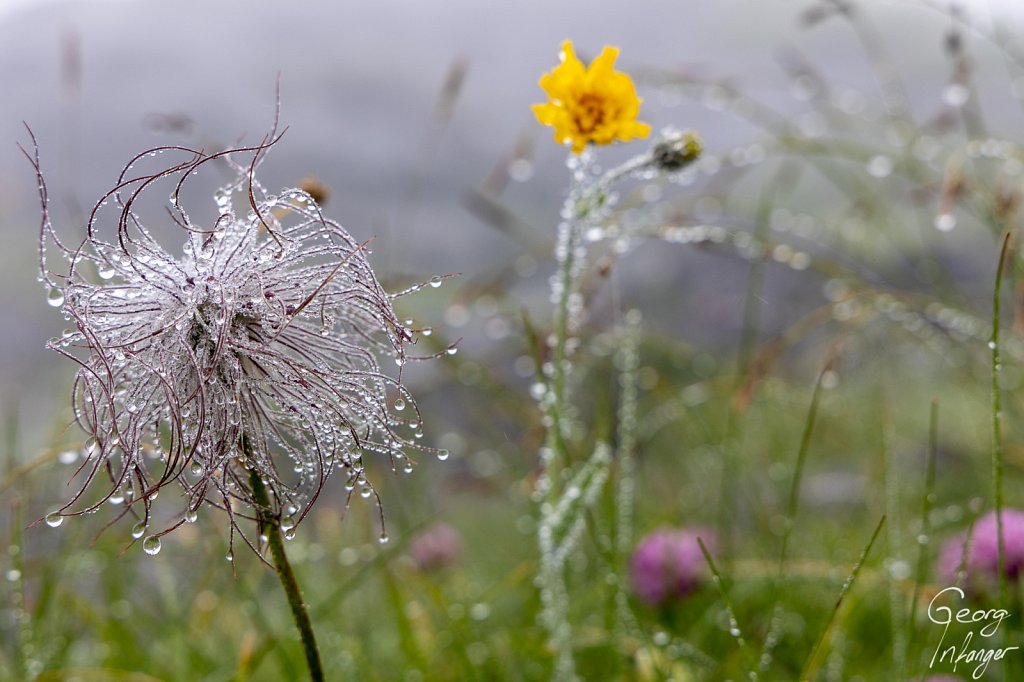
{"x":363,"y":90}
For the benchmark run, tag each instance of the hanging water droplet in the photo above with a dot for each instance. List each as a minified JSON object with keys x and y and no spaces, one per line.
{"x":151,"y":545}
{"x":289,"y":534}
{"x":435,"y":282}
{"x":196,"y":469}
{"x":383,"y":539}
{"x":453,"y":350}
{"x":945,"y":222}
{"x":407,"y":468}
{"x":880,"y":166}
{"x":54,"y":519}
{"x":55,"y":298}
{"x":117,"y":498}
{"x":956,"y":94}
{"x":426,"y":331}
{"x":443,"y":455}
{"x":365,"y":492}
{"x":138,"y":529}
{"x":67,"y":457}
{"x":191,"y":515}
{"x":399,"y":404}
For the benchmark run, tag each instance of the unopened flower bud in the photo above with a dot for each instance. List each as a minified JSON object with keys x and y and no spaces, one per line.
{"x":676,"y":150}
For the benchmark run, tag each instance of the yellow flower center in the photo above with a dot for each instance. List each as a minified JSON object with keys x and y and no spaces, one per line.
{"x":589,"y":112}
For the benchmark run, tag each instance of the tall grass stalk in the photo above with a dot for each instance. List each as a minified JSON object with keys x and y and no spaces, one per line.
{"x":811,"y":663}
{"x":629,"y":361}
{"x":997,"y":431}
{"x":734,"y":627}
{"x":894,"y":557}
{"x":792,"y":505}
{"x":924,"y":537}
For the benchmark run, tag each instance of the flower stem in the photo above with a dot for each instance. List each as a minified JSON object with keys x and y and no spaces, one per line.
{"x":270,"y":525}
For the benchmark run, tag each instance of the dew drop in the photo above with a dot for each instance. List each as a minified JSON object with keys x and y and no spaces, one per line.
{"x":945,"y":222}
{"x":138,"y":529}
{"x":435,"y":282}
{"x":365,"y":492}
{"x":443,"y":455}
{"x":289,"y":534}
{"x":453,"y":350}
{"x":54,"y":519}
{"x":880,"y":166}
{"x":55,"y":298}
{"x":399,"y":404}
{"x":67,"y":457}
{"x":151,"y":545}
{"x":956,"y":94}
{"x":191,"y":515}
{"x":383,"y":539}
{"x":196,"y":469}
{"x":105,"y":271}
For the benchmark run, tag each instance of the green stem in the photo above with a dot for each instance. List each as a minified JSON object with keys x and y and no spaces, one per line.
{"x":270,"y":525}
{"x":997,"y":423}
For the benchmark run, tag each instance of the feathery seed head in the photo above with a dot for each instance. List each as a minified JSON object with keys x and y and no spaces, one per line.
{"x":256,"y":349}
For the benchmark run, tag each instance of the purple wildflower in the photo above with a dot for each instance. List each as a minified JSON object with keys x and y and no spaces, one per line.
{"x":668,"y":564}
{"x":255,"y":350}
{"x":436,"y":547}
{"x":982,"y":559}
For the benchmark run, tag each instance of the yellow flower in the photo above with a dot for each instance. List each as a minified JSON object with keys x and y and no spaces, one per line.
{"x":595,"y":104}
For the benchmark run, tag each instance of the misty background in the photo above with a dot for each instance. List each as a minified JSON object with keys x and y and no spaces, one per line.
{"x":404,"y":110}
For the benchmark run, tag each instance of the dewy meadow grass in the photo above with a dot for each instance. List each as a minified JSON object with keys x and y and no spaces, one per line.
{"x":721,"y":466}
{"x":243,"y":372}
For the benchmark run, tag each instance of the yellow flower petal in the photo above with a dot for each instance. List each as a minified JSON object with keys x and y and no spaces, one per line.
{"x":590,"y":105}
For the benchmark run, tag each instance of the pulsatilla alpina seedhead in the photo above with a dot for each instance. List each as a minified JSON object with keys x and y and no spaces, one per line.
{"x":255,"y":349}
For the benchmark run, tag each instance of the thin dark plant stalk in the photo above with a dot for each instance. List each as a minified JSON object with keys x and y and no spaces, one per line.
{"x":805,"y":674}
{"x":924,"y":537}
{"x":270,"y":525}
